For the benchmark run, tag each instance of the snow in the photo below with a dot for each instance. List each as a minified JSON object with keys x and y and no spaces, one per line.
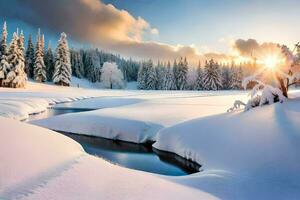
{"x":244,"y":155}
{"x":28,"y":154}
{"x":254,"y":152}
{"x":141,"y":115}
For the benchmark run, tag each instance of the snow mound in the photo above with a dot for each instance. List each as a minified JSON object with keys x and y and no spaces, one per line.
{"x":29,"y":154}
{"x":90,"y":123}
{"x":257,"y":149}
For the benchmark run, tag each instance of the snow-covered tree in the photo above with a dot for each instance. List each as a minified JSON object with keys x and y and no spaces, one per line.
{"x":39,"y":68}
{"x":169,"y":82}
{"x":211,"y":76}
{"x":3,"y":43}
{"x":227,"y":75}
{"x":112,"y":76}
{"x":43,"y":45}
{"x":142,"y":76}
{"x":199,"y":81}
{"x":62,"y":69}
{"x":236,"y":78}
{"x":4,"y":68}
{"x":16,"y":76}
{"x":77,"y":64}
{"x":180,"y":73}
{"x":147,"y":76}
{"x":151,"y":76}
{"x":160,"y":73}
{"x":49,"y":62}
{"x":4,"y":65}
{"x":191,"y":79}
{"x":92,"y":66}
{"x":29,"y":58}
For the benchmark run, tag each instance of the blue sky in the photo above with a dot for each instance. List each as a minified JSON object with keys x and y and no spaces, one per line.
{"x":206,"y":22}
{"x":207,"y":25}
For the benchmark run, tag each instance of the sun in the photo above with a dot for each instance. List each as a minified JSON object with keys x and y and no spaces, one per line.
{"x":271,"y":61}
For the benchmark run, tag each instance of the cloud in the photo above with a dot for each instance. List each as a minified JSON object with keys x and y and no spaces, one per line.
{"x":85,"y":20}
{"x":251,"y":48}
{"x":112,"y":29}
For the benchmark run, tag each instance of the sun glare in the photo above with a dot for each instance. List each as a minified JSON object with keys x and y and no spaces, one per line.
{"x":271,"y":62}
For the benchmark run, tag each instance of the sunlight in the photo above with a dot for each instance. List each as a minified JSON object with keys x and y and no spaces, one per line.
{"x":271,"y":61}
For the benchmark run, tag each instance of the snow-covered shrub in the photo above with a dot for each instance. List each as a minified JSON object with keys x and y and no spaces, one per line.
{"x":111,"y":76}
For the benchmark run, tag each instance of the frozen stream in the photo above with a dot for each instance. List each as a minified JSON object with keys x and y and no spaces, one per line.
{"x":135,"y":156}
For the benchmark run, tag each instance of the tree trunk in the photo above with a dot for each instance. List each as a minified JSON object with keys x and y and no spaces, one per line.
{"x":283,"y":87}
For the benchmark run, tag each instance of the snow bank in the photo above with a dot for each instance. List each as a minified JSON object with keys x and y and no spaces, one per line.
{"x":137,"y":119}
{"x":99,"y":103}
{"x":250,"y":154}
{"x":90,"y":123}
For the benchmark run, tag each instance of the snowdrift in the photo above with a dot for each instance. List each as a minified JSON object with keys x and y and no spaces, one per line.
{"x":255,"y":152}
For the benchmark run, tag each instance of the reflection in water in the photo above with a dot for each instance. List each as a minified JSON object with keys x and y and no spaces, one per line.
{"x":136,"y":156}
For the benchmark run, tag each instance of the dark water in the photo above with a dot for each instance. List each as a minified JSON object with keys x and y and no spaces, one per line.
{"x":135,"y":156}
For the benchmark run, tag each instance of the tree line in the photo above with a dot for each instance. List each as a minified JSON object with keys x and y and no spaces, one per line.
{"x":180,"y":76}
{"x":17,"y":64}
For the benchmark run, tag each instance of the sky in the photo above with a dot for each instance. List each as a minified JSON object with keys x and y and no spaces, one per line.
{"x":160,"y":29}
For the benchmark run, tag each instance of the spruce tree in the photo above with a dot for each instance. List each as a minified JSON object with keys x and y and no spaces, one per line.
{"x":49,"y":62}
{"x":237,"y":78}
{"x":77,"y":64}
{"x":169,"y":83}
{"x":226,"y":78}
{"x":29,"y":58}
{"x":4,"y":65}
{"x":142,"y":75}
{"x":161,"y":74}
{"x":199,"y":81}
{"x":151,"y":76}
{"x":39,"y":68}
{"x":180,"y":74}
{"x":3,"y":44}
{"x":211,"y":76}
{"x":62,"y":70}
{"x":16,"y":77}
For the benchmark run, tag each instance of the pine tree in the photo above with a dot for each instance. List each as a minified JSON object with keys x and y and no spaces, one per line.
{"x":4,"y":65}
{"x":3,"y":44}
{"x":161,"y":73}
{"x":16,"y":77}
{"x":169,"y":83}
{"x":142,"y":75}
{"x":77,"y":64}
{"x":49,"y":62}
{"x":226,"y":78}
{"x":237,"y":78}
{"x":92,"y":65}
{"x":199,"y":81}
{"x":39,"y":68}
{"x":29,"y":58}
{"x":211,"y":76}
{"x":43,"y":45}
{"x":62,"y":70}
{"x":180,"y":73}
{"x":151,"y":76}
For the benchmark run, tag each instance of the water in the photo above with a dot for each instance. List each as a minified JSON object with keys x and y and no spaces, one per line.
{"x":135,"y":156}
{"x":50,"y":112}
